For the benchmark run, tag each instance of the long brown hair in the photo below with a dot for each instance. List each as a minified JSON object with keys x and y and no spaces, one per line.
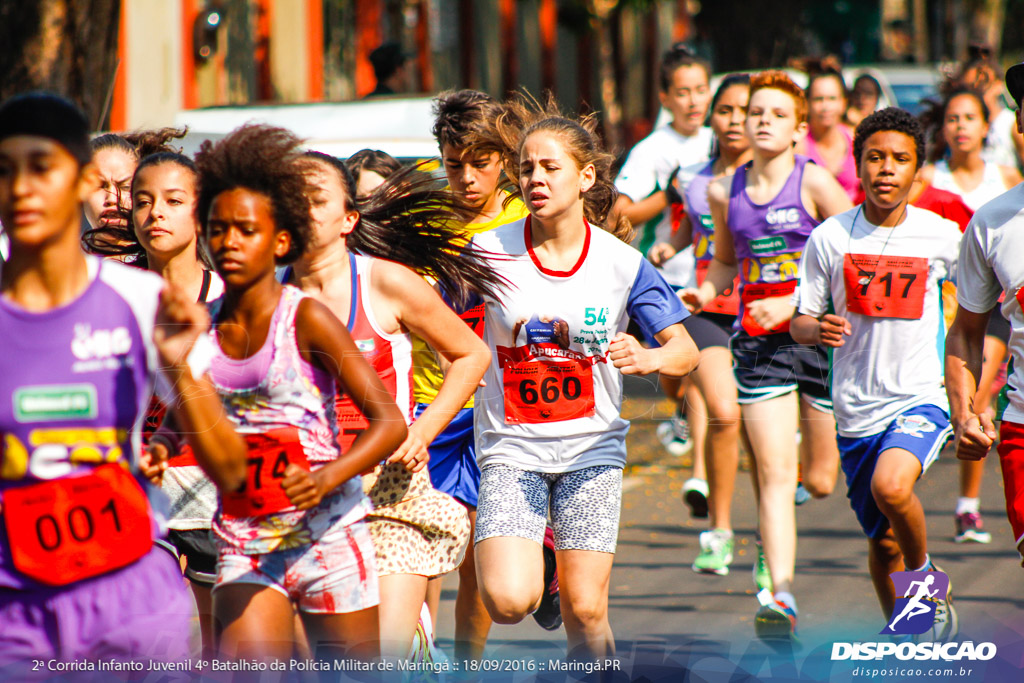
{"x":411,"y":219}
{"x":524,"y":115}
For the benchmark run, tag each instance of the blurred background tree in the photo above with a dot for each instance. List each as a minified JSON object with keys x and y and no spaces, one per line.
{"x":67,"y":46}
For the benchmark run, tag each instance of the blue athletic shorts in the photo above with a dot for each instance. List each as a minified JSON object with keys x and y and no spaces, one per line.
{"x":923,"y":430}
{"x":453,"y":468}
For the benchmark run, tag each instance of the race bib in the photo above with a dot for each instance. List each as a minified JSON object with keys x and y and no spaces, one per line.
{"x":351,"y":422}
{"x":886,"y":286}
{"x":474,"y":317}
{"x":270,"y":454}
{"x":538,"y":391}
{"x":69,"y":529}
{"x":763,"y":290}
{"x":728,"y":302}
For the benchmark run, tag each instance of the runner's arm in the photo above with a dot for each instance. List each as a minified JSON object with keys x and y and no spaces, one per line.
{"x":194,"y":405}
{"x":466,"y":356}
{"x":677,"y":356}
{"x":827,"y":196}
{"x":326,"y":343}
{"x":641,"y":211}
{"x":974,"y":434}
{"x":661,"y":252}
{"x":723,"y":269}
{"x":812,"y":323}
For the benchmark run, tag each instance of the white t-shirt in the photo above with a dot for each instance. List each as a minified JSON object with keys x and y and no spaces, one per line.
{"x":552,"y":396}
{"x":992,"y":262}
{"x":991,"y":186}
{"x":648,"y":169}
{"x":889,"y":364}
{"x":999,"y":148}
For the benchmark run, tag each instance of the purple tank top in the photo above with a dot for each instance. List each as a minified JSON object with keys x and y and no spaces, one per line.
{"x":696,"y":196}
{"x":74,"y":385}
{"x":769,"y":238}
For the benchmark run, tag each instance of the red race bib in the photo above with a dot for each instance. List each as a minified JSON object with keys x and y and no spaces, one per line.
{"x":728,"y":302}
{"x":270,"y":454}
{"x":69,"y":529}
{"x":886,"y":286}
{"x":474,"y":317}
{"x":542,"y":390}
{"x":763,"y":290}
{"x":351,"y":422}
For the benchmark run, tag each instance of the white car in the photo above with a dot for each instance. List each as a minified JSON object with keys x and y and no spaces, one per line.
{"x":398,"y":126}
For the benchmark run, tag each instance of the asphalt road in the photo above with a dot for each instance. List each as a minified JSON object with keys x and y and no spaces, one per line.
{"x":673,"y":624}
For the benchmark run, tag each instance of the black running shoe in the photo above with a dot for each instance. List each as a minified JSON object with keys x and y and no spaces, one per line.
{"x":549,"y":614}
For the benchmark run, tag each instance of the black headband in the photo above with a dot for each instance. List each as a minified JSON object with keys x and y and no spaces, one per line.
{"x":46,"y":115}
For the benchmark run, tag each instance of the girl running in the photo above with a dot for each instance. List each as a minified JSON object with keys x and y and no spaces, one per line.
{"x":990,"y":270}
{"x":651,"y":201}
{"x":959,"y":128}
{"x":645,"y":181}
{"x":712,"y":327}
{"x":763,"y":215}
{"x":471,"y":156}
{"x":163,"y":194}
{"x":82,"y":339}
{"x":550,"y":438}
{"x":829,"y":142}
{"x":865,"y":95}
{"x":293,"y":537}
{"x":418,"y":531}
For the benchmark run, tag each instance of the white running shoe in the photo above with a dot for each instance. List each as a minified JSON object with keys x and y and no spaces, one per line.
{"x":674,"y":435}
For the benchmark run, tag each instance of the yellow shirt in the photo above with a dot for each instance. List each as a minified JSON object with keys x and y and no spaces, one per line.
{"x":427,"y":376}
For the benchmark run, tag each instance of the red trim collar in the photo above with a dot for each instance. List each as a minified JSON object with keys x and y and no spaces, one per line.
{"x":528,"y":238}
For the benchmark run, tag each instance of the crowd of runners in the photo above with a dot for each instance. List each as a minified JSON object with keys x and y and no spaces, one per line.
{"x":308,"y":389}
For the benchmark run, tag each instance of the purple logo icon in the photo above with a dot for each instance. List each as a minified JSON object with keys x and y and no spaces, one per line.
{"x":916,"y":596}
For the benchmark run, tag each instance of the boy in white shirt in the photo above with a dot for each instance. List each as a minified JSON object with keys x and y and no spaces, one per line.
{"x":879,"y":267}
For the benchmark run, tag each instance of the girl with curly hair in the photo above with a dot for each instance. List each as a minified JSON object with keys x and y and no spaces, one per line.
{"x":293,"y":538}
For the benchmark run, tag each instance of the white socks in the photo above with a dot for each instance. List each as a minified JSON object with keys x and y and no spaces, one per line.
{"x":965,"y":505}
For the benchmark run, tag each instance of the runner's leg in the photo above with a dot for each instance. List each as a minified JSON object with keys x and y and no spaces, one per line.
{"x":714,"y":379}
{"x":771,"y":426}
{"x":892,"y":486}
{"x":472,"y":623}
{"x":347,"y":631}
{"x":884,"y":558}
{"x":253,"y":621}
{"x":697,"y":418}
{"x":510,"y":575}
{"x":401,"y":598}
{"x":583,"y":580}
{"x":819,"y":454}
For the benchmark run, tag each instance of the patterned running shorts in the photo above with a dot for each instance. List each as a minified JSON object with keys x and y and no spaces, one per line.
{"x":584,"y":506}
